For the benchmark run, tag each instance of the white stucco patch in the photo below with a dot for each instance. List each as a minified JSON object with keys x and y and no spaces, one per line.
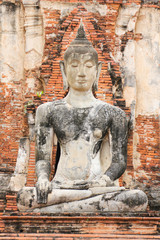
{"x":126,"y":19}
{"x":148,"y":62}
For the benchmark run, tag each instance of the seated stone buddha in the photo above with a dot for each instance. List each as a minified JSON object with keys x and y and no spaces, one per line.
{"x":90,"y":132}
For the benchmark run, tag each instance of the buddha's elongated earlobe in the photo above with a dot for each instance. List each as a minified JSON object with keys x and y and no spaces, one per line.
{"x":62,"y":67}
{"x":95,"y":84}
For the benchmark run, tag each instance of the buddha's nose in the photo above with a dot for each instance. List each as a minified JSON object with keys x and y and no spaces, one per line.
{"x":81,"y":72}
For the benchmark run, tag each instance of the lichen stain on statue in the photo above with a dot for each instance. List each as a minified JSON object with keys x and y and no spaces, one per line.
{"x":82,"y":125}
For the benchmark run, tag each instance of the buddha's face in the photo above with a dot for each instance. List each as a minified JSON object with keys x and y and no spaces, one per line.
{"x":81,"y":71}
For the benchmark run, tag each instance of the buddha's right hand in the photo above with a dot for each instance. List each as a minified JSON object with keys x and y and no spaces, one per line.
{"x":43,"y":187}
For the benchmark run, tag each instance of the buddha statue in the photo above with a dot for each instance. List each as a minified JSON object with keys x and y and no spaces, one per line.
{"x":92,"y":136}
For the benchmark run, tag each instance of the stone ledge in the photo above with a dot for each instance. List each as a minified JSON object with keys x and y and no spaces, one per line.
{"x":85,"y":225}
{"x":53,"y":236}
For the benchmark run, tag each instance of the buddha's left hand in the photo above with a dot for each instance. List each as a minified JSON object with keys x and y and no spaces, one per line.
{"x":103,"y":181}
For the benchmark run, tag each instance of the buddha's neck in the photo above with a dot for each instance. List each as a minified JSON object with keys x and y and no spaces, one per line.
{"x":80,"y":99}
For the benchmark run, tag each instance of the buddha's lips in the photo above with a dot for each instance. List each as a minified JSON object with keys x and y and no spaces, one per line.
{"x":81,"y":80}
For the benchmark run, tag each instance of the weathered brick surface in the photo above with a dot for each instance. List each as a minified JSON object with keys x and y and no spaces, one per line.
{"x":84,"y":226}
{"x":148,"y":130}
{"x":12,"y":124}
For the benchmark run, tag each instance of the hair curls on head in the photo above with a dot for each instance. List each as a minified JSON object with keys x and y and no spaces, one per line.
{"x":81,"y":45}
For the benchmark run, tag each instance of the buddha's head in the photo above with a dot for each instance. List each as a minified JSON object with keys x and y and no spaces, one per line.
{"x":80,"y":68}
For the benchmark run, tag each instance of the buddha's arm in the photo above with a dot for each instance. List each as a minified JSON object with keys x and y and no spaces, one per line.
{"x":44,"y":141}
{"x":119,"y":145}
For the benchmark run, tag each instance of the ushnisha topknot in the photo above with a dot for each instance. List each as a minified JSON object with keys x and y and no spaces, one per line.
{"x":81,"y":45}
{"x":81,"y":37}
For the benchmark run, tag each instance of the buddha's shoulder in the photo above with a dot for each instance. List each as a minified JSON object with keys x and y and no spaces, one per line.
{"x":110,"y":109}
{"x":58,"y":103}
{"x":49,"y":106}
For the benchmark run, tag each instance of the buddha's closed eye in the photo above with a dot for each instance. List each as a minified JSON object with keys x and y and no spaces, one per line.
{"x":74,"y":64}
{"x":89,"y":64}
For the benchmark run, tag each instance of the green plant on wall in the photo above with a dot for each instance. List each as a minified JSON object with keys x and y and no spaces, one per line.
{"x":39,"y":94}
{"x":29,"y":103}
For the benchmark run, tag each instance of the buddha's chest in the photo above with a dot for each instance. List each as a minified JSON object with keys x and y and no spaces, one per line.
{"x":74,"y":123}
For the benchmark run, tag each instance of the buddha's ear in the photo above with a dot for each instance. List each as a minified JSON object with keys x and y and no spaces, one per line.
{"x":62,"y":67}
{"x":95,"y":84}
